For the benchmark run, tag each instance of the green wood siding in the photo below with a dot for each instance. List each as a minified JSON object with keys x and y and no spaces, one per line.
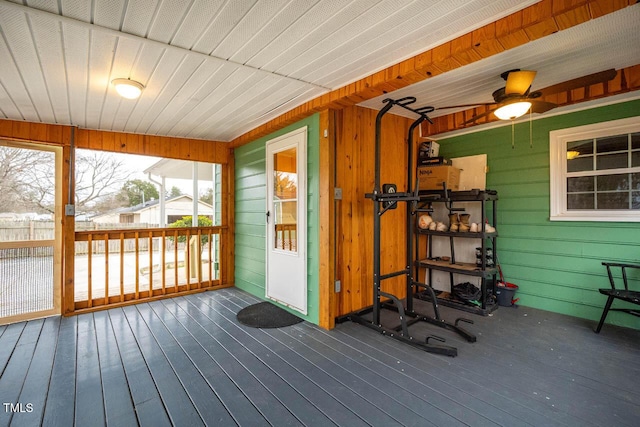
{"x":557,"y":265}
{"x":251,"y":193}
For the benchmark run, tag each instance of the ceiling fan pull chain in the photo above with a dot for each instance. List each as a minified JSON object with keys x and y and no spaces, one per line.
{"x":530,"y":130}
{"x":513,"y":134}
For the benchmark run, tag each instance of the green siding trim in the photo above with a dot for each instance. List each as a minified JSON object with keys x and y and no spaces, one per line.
{"x":250,"y":195}
{"x":557,"y":265}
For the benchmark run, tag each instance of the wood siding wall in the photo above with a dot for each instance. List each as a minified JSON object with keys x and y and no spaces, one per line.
{"x":250,"y":208}
{"x":354,"y":213}
{"x":557,"y":265}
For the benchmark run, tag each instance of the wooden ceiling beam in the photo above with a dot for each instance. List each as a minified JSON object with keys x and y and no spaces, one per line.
{"x":534,"y":22}
{"x":117,"y":142}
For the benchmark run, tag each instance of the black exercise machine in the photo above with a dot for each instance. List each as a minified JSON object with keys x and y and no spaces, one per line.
{"x":385,"y":198}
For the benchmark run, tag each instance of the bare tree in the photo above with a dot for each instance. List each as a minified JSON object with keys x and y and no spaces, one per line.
{"x":99,"y":175}
{"x":28,"y":179}
{"x":17,"y":168}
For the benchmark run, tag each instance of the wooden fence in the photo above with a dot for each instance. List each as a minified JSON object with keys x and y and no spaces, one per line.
{"x":45,"y":230}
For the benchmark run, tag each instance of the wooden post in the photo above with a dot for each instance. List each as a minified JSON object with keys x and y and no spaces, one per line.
{"x":163,"y":263}
{"x":227,"y":236}
{"x":121,"y":267}
{"x":68,"y":236}
{"x":327,"y":310}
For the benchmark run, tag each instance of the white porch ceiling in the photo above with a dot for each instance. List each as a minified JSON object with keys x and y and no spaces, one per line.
{"x":612,"y":41}
{"x":215,"y":69}
{"x":180,"y":169}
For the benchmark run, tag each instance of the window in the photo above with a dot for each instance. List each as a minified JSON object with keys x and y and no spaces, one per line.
{"x":595,"y":172}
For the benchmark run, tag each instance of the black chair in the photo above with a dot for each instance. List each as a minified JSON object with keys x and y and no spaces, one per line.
{"x":625,"y":294}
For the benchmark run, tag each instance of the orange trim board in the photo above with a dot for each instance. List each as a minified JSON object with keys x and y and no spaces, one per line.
{"x":151,"y":145}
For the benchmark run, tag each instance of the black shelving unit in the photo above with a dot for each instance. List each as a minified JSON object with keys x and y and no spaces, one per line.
{"x":487,"y":274}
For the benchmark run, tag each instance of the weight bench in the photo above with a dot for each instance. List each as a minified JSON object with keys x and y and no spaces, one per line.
{"x":625,"y":294}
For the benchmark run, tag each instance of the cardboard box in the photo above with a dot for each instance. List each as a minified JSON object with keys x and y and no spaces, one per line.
{"x":432,"y":177}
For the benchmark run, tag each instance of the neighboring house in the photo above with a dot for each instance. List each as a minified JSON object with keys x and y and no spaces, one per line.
{"x":149,"y":212}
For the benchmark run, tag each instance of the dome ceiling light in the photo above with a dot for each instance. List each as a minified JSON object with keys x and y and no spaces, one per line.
{"x":128,"y":88}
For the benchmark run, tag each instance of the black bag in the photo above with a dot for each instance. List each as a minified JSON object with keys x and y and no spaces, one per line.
{"x":466,"y":292}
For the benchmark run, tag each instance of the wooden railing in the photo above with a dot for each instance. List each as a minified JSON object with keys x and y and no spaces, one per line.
{"x":286,"y":236}
{"x":137,"y":264}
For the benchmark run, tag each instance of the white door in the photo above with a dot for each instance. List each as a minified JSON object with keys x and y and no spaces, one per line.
{"x":287,"y":220}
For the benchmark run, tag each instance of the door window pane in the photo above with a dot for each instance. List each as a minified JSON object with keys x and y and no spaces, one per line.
{"x":285,"y":225}
{"x":285,"y":204}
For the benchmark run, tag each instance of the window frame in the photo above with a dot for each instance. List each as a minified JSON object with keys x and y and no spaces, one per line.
{"x":558,"y":140}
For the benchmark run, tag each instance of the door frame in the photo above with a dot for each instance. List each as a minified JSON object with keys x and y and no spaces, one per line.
{"x":301,"y":228}
{"x":58,"y":233}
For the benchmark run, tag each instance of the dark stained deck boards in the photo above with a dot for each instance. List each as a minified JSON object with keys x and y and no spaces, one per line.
{"x":118,"y":406}
{"x":89,"y":397}
{"x":187,"y":361}
{"x":397,"y":383}
{"x":150,"y":410}
{"x":362,"y":385}
{"x":271,"y":409}
{"x":285,"y":392}
{"x":238,"y":406}
{"x":177,"y":402}
{"x":60,"y":405}
{"x":204,"y":399}
{"x":8,"y":340}
{"x":17,"y":368}
{"x":335,"y":391}
{"x":39,"y":372}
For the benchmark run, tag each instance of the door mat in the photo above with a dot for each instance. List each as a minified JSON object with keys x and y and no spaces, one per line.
{"x":266,"y":315}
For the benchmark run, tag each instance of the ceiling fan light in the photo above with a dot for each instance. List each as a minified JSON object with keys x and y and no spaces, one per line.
{"x":572,"y":154}
{"x":512,"y":110}
{"x":128,"y":88}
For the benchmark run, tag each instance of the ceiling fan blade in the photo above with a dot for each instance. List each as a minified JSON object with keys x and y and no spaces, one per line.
{"x":465,"y":105}
{"x":600,"y":77}
{"x":518,"y":82}
{"x":479,"y":116}
{"x":541,"y":106}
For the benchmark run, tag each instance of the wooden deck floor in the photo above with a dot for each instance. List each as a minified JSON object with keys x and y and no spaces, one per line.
{"x":187,"y":362}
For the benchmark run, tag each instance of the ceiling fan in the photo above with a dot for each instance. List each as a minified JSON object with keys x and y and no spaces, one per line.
{"x":515,"y":98}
